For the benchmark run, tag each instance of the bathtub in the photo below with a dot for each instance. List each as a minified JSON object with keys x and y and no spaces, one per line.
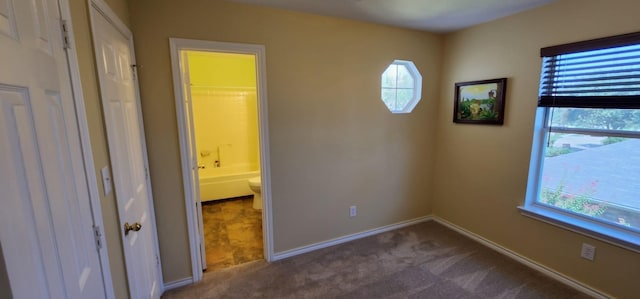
{"x":225,"y":182}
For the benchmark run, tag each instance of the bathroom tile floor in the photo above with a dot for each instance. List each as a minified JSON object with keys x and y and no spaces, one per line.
{"x":232,"y":232}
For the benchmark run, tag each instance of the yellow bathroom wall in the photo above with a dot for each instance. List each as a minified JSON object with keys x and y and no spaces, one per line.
{"x":223,"y":90}
{"x":222,"y":69}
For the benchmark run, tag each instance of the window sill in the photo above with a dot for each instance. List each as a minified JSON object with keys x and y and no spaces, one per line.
{"x":609,"y":234}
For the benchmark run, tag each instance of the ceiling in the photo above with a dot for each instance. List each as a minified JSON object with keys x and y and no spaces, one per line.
{"x":429,"y":15}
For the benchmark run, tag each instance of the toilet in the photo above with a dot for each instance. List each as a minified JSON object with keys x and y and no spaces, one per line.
{"x":256,"y":186}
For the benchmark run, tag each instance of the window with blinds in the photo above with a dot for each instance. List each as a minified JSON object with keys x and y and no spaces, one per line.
{"x":585,"y":167}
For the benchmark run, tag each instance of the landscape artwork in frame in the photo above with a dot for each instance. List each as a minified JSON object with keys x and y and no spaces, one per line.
{"x":480,"y":102}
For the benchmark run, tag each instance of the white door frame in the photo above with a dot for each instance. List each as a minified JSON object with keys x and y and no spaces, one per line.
{"x":85,"y":142}
{"x":177,"y":45}
{"x":102,"y":8}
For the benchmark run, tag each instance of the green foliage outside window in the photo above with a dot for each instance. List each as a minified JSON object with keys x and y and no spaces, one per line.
{"x":579,"y":203}
{"x":608,"y":119}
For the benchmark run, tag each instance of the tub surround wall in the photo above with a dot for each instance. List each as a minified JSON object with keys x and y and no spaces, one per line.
{"x":333,"y":143}
{"x":226,"y":126}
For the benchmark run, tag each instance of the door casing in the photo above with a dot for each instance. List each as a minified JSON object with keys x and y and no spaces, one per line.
{"x":191,"y":196}
{"x":85,"y":141}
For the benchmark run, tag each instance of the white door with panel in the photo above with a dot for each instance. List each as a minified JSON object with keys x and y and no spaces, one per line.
{"x":114,"y":57}
{"x":46,"y":222}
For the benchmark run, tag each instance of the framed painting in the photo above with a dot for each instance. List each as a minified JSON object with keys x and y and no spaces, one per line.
{"x":480,"y":102}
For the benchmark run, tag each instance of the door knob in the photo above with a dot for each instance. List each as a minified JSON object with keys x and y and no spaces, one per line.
{"x":133,"y":227}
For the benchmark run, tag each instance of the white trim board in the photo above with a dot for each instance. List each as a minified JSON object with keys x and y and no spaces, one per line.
{"x":525,"y":261}
{"x":104,"y":9}
{"x":85,"y":142}
{"x":348,"y":238}
{"x":178,"y":283}
{"x":177,"y":45}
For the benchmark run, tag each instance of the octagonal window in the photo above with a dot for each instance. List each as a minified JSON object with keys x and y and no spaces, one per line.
{"x":401,"y":86}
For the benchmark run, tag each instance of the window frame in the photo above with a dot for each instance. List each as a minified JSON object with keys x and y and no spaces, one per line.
{"x":594,"y":228}
{"x":582,"y":224}
{"x":416,"y":90}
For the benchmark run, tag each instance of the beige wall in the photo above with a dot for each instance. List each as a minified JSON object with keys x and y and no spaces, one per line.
{"x":481,"y":171}
{"x":84,"y":48}
{"x":333,"y":143}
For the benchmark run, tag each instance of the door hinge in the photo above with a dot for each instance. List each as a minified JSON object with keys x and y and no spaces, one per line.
{"x":157,"y":260}
{"x":146,"y":173}
{"x":66,"y":42}
{"x":98,"y":235}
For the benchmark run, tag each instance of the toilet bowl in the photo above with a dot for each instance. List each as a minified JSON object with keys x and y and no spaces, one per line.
{"x":256,"y":186}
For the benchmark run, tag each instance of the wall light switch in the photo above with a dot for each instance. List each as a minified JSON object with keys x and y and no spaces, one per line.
{"x":106,"y":180}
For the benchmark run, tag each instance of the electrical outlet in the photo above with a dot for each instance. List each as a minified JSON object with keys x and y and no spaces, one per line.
{"x":588,"y":251}
{"x":353,"y":211}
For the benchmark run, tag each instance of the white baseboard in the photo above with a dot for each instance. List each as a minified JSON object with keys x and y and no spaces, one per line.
{"x":525,"y":261}
{"x":178,"y":283}
{"x":304,"y":249}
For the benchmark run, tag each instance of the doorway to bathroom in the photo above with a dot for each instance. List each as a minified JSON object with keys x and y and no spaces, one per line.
{"x":221,"y":108}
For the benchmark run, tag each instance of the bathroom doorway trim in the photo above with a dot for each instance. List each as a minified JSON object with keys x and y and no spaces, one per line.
{"x":191,"y":192}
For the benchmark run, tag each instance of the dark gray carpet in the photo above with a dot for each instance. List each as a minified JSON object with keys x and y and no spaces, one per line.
{"x":426,"y":260}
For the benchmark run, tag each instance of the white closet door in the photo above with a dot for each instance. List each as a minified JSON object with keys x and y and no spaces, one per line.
{"x":46,"y":225}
